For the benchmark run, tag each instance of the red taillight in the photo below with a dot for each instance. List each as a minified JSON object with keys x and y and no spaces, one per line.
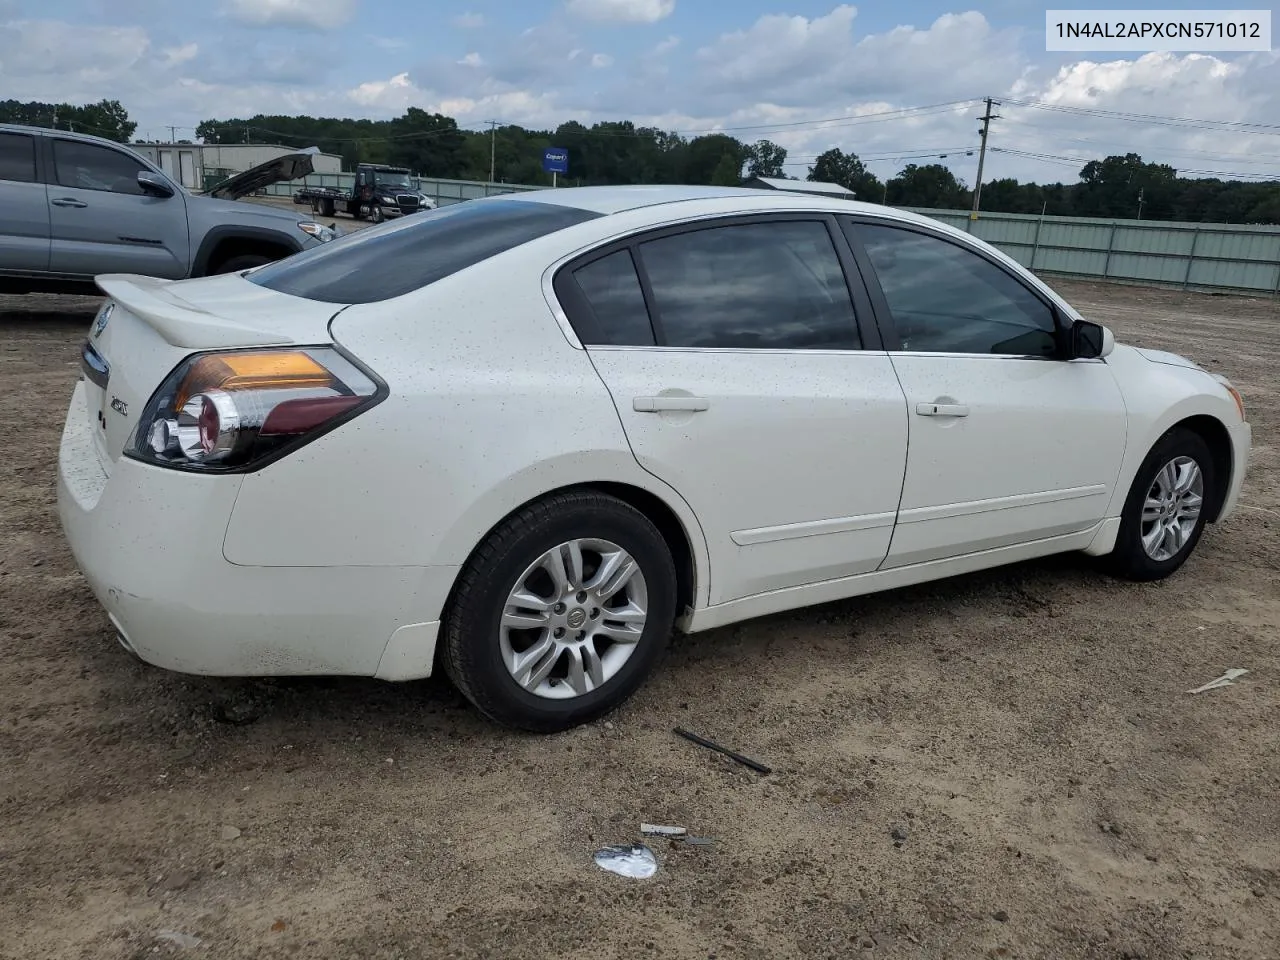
{"x":299,"y":416}
{"x":235,"y":410}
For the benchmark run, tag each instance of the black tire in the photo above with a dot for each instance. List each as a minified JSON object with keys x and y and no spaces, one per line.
{"x":243,"y":262}
{"x":375,"y":213}
{"x":471,"y":632}
{"x":1129,"y":559}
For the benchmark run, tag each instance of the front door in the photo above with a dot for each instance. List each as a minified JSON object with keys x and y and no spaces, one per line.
{"x":1008,"y":443}
{"x":24,"y":228}
{"x":103,"y":222}
{"x":735,"y":361}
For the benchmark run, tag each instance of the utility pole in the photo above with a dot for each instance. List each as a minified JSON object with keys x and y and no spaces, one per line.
{"x":493,"y":149}
{"x":1140,"y":194}
{"x":986,"y":119}
{"x":173,"y":134}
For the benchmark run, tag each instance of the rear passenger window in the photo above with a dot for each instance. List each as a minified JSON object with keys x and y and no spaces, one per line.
{"x":771,"y":285}
{"x":612,"y":290}
{"x":17,"y":157}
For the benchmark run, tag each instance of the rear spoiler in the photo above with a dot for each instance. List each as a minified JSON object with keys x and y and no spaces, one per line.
{"x":180,"y":323}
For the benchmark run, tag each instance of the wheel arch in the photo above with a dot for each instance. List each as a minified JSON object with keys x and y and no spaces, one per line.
{"x":222,"y":243}
{"x":1216,"y":436}
{"x":667,"y":511}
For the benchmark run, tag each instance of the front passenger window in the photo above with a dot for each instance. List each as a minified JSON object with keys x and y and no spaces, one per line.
{"x":91,"y":167}
{"x":946,"y":299}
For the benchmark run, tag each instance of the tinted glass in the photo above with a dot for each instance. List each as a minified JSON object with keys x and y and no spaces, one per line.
{"x":17,"y":157}
{"x":387,"y":261}
{"x":613,"y":292}
{"x":91,"y":167}
{"x":773,"y":285}
{"x":947,"y":299}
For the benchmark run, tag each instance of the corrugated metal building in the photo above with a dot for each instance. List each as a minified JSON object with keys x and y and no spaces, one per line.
{"x":819,"y":187}
{"x":201,"y":165}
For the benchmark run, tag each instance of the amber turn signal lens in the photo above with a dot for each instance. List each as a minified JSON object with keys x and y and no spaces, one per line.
{"x":1235,"y":395}
{"x":266,"y":370}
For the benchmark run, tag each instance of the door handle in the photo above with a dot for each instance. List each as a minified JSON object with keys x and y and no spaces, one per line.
{"x":68,"y":202}
{"x":663,"y":404}
{"x":942,"y":409}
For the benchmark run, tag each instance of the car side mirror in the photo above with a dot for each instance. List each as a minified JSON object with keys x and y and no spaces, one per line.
{"x":154,"y":185}
{"x":1090,"y":341}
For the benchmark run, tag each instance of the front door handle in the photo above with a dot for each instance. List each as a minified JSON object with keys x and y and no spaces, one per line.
{"x":942,"y":409}
{"x":68,"y":202}
{"x":663,"y":404}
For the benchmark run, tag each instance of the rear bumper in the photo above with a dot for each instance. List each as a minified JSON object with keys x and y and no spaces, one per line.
{"x":149,"y":543}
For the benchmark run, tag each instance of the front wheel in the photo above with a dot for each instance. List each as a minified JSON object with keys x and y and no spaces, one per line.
{"x":561,"y":613}
{"x":1165,"y":512}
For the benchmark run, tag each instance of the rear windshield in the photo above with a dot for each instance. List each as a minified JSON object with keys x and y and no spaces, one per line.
{"x":388,"y":261}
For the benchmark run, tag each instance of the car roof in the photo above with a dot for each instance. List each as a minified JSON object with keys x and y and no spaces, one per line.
{"x":63,"y":134}
{"x":611,"y":200}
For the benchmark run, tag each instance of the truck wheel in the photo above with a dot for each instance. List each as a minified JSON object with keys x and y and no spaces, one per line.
{"x":243,"y":262}
{"x":375,"y":213}
{"x":327,"y":208}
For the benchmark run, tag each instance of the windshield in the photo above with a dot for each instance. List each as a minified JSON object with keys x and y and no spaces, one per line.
{"x":397,"y":181}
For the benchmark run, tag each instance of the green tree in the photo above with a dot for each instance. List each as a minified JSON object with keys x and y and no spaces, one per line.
{"x":836,"y":166}
{"x":932,"y":185}
{"x":106,"y":118}
{"x":765,"y":159}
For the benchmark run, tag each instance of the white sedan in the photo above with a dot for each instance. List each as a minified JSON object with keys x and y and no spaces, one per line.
{"x":523,"y":437}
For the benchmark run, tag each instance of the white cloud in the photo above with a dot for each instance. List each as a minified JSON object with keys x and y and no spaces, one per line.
{"x":621,"y":11}
{"x":176,"y":55}
{"x":317,"y":14}
{"x":469,"y":21}
{"x":752,"y":81}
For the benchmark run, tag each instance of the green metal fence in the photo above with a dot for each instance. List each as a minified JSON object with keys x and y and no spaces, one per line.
{"x":1239,"y":258}
{"x":1199,"y":256}
{"x":444,"y":192}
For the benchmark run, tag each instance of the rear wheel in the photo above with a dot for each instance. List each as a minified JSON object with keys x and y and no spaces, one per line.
{"x":561,"y":613}
{"x":1165,"y":512}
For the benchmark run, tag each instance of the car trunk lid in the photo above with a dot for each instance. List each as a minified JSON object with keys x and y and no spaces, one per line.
{"x":149,"y":326}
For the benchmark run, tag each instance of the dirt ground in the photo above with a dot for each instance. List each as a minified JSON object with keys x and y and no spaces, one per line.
{"x":1025,"y":734}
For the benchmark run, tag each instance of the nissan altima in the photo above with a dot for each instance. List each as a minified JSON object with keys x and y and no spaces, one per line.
{"x":524,"y":438}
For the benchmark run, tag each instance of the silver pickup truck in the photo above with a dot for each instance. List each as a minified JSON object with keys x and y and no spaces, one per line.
{"x":74,"y":206}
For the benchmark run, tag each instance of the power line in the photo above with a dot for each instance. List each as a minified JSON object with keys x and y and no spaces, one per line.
{"x":1235,"y":126}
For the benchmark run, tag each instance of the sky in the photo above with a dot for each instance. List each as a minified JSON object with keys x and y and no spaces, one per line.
{"x":885,"y":80}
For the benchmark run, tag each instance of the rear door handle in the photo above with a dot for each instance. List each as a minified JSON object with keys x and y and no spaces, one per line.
{"x":942,"y":409}
{"x":663,"y":404}
{"x":68,"y":202}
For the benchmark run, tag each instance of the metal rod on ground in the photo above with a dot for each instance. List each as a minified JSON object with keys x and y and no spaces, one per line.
{"x":702,"y":742}
{"x":493,"y":149}
{"x":1035,"y":245}
{"x":1191,"y":259}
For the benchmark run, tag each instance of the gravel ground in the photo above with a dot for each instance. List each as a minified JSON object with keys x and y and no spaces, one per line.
{"x":999,"y":765}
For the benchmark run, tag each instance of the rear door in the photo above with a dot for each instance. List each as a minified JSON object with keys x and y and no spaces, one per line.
{"x":747,"y":374}
{"x":24,"y":226}
{"x":102,"y":221}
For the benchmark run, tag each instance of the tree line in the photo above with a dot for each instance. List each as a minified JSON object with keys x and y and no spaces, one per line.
{"x":619,"y":152}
